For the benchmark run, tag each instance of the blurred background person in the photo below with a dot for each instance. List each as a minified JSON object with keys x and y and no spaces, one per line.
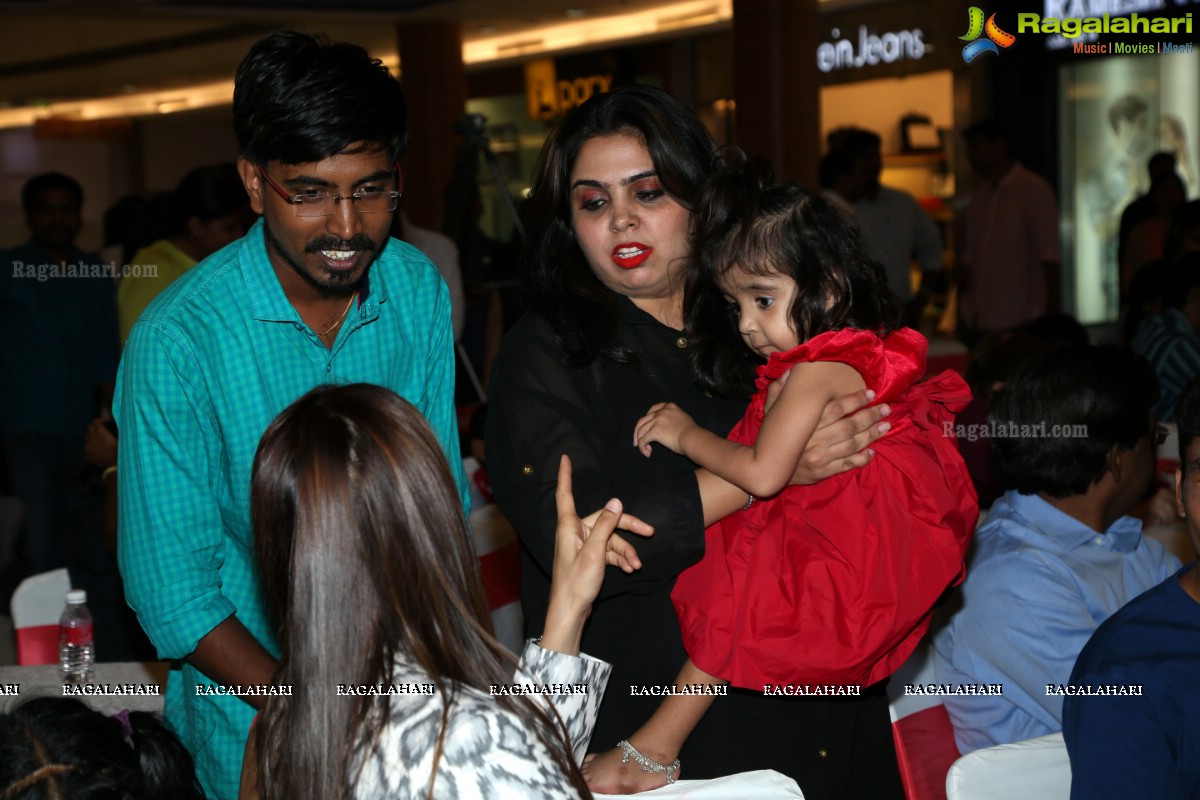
{"x":1148,"y":237}
{"x":1160,"y":164}
{"x":59,"y":361}
{"x":1059,"y":553}
{"x":208,"y":210}
{"x":1011,"y":261}
{"x":893,"y":225}
{"x":1170,"y":340}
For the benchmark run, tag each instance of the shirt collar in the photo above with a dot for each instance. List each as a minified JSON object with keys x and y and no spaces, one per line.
{"x":631,"y":314}
{"x":1123,"y":536}
{"x":268,"y":302}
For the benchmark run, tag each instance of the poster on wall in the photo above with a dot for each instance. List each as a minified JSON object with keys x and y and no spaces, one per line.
{"x":1117,"y":112}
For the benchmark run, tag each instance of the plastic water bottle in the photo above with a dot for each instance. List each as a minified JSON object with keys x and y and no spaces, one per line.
{"x":76,"y":651}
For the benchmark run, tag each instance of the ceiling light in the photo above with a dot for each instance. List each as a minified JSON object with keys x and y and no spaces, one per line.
{"x":599,"y":30}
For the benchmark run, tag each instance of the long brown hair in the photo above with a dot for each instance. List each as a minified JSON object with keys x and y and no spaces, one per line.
{"x":366,"y":558}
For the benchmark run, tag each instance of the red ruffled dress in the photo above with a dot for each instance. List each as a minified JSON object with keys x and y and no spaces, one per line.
{"x":833,"y":583}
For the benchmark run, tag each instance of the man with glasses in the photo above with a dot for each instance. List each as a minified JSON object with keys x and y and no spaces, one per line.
{"x":315,"y":293}
{"x":1058,"y":554}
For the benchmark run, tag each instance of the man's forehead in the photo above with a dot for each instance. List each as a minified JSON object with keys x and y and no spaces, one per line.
{"x":350,"y":161}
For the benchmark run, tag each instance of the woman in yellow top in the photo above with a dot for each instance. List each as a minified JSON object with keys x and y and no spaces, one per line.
{"x":208,"y":210}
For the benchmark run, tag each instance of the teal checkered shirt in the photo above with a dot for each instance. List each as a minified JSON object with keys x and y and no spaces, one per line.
{"x":206,"y":368}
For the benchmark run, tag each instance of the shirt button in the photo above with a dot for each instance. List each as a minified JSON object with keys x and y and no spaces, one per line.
{"x":823,"y":753}
{"x":681,"y":342}
{"x":527,"y":470}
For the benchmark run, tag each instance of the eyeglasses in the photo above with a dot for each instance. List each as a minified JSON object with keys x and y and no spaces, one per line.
{"x":316,"y":203}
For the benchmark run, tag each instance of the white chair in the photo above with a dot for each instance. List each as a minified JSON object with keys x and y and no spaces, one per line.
{"x":37,"y":605}
{"x":1034,"y":768}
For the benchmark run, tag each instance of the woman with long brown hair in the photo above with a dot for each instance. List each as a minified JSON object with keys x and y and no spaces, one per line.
{"x":399,"y":689}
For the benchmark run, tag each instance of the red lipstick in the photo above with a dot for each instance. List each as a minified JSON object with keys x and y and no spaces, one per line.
{"x":631,"y":254}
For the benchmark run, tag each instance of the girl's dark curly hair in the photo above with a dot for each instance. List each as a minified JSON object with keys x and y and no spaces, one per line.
{"x":745,"y":221}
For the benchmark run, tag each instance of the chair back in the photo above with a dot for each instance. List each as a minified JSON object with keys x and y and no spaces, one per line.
{"x":499,"y":559}
{"x":37,"y":605}
{"x":921,"y":728}
{"x":1036,"y":768}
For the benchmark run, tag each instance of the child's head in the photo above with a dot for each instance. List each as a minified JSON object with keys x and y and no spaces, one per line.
{"x":58,"y":747}
{"x":750,"y":233}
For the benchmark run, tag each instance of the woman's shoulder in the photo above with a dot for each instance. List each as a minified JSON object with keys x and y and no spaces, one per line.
{"x":532,"y":337}
{"x":477,"y":730}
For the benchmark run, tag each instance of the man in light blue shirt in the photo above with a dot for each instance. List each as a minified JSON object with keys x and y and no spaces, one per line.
{"x":315,"y":293}
{"x":1075,"y":436}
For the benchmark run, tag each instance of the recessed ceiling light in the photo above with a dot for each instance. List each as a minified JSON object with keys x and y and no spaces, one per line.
{"x":576,"y":13}
{"x":487,"y":29}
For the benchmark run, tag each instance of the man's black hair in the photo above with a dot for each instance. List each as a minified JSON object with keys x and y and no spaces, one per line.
{"x":299,"y":98}
{"x":36,"y":186}
{"x":991,"y":129}
{"x":1066,"y":409}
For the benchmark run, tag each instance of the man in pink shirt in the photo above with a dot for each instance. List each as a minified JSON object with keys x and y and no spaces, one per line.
{"x":1010,"y":272}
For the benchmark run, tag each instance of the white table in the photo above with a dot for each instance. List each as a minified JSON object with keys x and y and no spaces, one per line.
{"x":45,"y":680}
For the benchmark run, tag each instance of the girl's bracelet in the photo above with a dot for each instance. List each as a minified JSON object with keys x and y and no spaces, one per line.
{"x":749,"y":503}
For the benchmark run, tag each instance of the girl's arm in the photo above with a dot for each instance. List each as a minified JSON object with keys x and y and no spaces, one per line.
{"x":768,"y":466}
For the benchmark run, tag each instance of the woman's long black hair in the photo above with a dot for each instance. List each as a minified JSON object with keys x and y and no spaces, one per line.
{"x":556,"y":281}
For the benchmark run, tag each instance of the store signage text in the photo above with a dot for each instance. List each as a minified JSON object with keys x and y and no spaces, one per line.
{"x":872,"y":49}
{"x":549,"y":97}
{"x":1070,"y":27}
{"x":1087,"y":19}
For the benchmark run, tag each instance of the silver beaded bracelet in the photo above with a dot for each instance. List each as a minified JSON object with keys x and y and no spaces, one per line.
{"x":648,"y":764}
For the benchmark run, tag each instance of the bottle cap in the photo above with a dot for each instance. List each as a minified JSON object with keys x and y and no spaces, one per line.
{"x":77,"y":596}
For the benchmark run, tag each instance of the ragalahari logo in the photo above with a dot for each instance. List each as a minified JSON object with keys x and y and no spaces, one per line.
{"x":995,"y":37}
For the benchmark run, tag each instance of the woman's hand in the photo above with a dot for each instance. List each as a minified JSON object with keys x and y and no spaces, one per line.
{"x":665,"y":423}
{"x":582,"y":549}
{"x":840,"y":442}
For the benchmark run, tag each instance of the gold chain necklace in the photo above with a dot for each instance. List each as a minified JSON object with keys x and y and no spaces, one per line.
{"x":338,"y":321}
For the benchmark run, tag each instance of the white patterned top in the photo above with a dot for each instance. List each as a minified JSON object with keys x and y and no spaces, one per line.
{"x":489,"y":752}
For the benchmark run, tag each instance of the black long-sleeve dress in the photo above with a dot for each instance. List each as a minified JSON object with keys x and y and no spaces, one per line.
{"x":541,"y":408}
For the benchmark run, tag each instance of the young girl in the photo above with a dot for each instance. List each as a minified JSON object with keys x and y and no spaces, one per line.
{"x":828,"y":586}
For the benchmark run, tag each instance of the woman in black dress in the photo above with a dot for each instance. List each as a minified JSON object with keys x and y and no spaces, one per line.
{"x":602,"y":281}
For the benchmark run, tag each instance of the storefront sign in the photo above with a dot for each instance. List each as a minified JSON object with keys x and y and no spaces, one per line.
{"x":1068,"y":20}
{"x":548,"y":97}
{"x":871,"y":49}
